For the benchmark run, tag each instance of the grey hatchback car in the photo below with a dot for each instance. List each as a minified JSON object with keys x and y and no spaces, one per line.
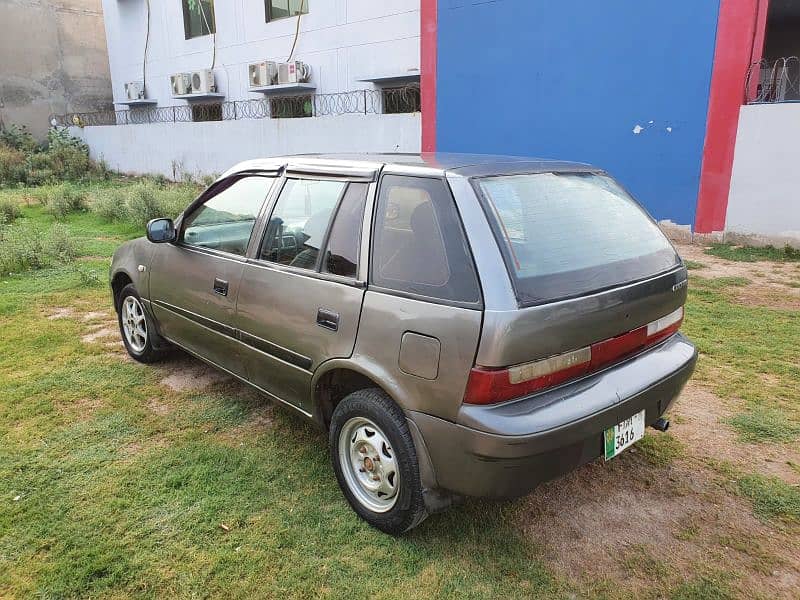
{"x":460,"y":325}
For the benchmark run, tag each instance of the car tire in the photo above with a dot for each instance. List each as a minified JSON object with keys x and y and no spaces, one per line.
{"x":136,"y":328}
{"x":375,"y":461}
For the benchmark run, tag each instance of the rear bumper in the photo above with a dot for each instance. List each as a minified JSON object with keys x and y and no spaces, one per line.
{"x":507,"y":450}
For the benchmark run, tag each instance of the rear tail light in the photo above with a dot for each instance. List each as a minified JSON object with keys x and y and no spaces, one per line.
{"x":493,"y":385}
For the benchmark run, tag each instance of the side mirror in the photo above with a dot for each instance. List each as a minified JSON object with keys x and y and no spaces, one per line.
{"x":161,"y":230}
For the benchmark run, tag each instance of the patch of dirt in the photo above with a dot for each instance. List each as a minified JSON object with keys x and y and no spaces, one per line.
{"x":191,"y":375}
{"x":703,"y":431}
{"x":82,"y":407}
{"x":61,"y":313}
{"x":260,"y":421}
{"x":589,"y":521}
{"x":158,"y":407}
{"x":95,"y":314}
{"x":133,"y":449}
{"x":99,"y":333}
{"x":772,"y":284}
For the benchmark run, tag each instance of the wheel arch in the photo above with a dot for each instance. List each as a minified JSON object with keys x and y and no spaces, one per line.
{"x":336,"y":378}
{"x":118,"y":281}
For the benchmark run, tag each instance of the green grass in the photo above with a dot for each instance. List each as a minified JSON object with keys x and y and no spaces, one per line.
{"x":752,"y":253}
{"x":660,"y":449}
{"x":694,"y":265}
{"x":765,"y":425}
{"x":704,"y":588}
{"x":748,"y":353}
{"x":772,"y":498}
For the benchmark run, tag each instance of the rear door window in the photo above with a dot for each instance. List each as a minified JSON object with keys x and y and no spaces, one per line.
{"x":567,"y":234}
{"x":299,"y":222}
{"x":419,"y":245}
{"x":344,"y":241}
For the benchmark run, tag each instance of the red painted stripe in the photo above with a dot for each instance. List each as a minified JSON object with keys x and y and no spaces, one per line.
{"x":428,"y":58}
{"x":740,"y":38}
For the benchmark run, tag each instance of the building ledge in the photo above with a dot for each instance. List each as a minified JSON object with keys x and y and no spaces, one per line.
{"x":205,"y":96}
{"x":140,"y":102}
{"x":284,"y":88}
{"x":392,"y":79}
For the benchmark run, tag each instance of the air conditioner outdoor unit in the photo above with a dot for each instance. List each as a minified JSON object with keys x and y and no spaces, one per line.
{"x":134,"y":90}
{"x":203,"y":82}
{"x":263,"y":73}
{"x":294,"y":72}
{"x":181,"y":84}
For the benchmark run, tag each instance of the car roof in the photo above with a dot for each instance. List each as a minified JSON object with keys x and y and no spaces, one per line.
{"x":438,"y":163}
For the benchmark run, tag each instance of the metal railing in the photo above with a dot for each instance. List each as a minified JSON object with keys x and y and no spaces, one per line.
{"x":773,"y":81}
{"x":393,"y":100}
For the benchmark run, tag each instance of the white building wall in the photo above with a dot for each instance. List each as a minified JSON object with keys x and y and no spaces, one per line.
{"x":764,"y":199}
{"x":177,"y":149}
{"x":342,"y":40}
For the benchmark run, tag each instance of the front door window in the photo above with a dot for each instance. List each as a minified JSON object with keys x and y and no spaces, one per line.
{"x":226,"y":221}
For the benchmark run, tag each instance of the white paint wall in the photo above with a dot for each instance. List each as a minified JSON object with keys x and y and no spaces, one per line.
{"x":173,"y":149}
{"x":764,"y":197}
{"x":342,"y":40}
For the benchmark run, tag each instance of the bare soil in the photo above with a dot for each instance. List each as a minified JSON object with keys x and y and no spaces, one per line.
{"x":594,"y":523}
{"x":772,"y":284}
{"x":189,"y":374}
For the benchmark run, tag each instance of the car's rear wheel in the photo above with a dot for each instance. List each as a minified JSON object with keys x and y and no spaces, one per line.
{"x":375,"y":461}
{"x":135,"y":326}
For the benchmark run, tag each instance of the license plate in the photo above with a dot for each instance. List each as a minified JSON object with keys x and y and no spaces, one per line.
{"x":619,"y":437}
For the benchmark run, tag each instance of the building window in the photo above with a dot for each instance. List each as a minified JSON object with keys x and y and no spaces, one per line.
{"x":291,"y":107}
{"x":401,"y":100}
{"x":198,"y":18}
{"x":207,"y":112}
{"x":280,"y":9}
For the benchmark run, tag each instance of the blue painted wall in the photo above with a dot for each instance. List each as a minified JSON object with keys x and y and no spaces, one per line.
{"x":572,"y":79}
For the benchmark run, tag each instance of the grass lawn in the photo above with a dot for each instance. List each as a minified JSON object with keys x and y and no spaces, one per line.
{"x":114,"y":484}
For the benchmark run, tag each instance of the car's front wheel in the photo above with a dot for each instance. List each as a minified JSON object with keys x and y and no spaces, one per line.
{"x":135,"y":326}
{"x":375,"y":461}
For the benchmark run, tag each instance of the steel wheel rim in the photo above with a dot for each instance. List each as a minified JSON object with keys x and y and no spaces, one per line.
{"x":369,"y":465}
{"x":134,"y":324}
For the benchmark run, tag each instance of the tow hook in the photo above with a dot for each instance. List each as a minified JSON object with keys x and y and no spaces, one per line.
{"x":661,"y":424}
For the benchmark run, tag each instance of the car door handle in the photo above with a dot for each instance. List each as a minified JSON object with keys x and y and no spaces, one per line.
{"x":328,"y":319}
{"x":220,"y":287}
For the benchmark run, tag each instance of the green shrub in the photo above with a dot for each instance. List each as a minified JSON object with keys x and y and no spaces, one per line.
{"x":9,"y":210}
{"x":12,"y":165}
{"x":19,"y":138}
{"x":62,"y":158}
{"x":65,"y":199}
{"x":111,"y":205}
{"x":142,"y":201}
{"x":25,"y":246}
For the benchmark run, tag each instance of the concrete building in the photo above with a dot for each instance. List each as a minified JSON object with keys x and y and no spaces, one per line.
{"x":358,"y":51}
{"x":659,"y":93}
{"x":52,"y":60}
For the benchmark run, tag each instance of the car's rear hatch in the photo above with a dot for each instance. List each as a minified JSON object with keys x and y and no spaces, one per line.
{"x":595,"y":281}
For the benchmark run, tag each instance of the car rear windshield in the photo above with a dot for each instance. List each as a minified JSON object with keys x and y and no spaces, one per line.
{"x":569,"y":234}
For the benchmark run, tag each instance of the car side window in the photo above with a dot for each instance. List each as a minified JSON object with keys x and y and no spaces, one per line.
{"x":226,"y":220}
{"x":344,"y":242}
{"x":299,"y":222}
{"x":419,"y":245}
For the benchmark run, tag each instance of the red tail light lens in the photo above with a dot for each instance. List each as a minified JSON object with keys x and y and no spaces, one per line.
{"x":490,"y":386}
